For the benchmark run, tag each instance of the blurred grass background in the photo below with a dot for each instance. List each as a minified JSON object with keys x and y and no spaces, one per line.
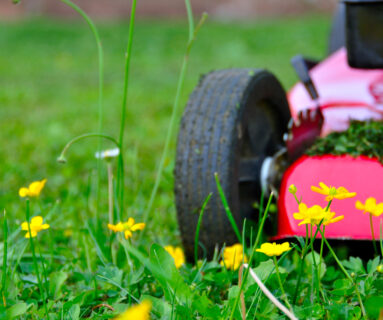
{"x":48,"y":95}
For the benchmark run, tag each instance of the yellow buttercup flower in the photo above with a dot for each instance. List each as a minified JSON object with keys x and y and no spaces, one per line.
{"x":119,"y":227}
{"x":332,"y":192}
{"x":274,"y":249}
{"x":127,"y":227}
{"x":138,"y":312}
{"x":370,"y":206}
{"x":315,"y":214}
{"x":177,"y":254}
{"x":36,"y":226}
{"x":233,"y":257}
{"x":329,"y":217}
{"x":312,"y":215}
{"x":33,"y":190}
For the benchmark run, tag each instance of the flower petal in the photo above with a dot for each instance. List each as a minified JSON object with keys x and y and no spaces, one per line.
{"x":23,"y":192}
{"x":37,"y":221}
{"x":138,"y":226}
{"x":128,"y":234}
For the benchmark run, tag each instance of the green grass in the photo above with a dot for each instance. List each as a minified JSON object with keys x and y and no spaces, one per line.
{"x":48,"y":95}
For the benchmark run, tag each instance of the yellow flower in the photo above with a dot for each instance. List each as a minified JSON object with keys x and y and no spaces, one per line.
{"x":293,"y":189}
{"x":177,"y":254}
{"x":370,"y":206}
{"x":119,"y":227}
{"x":273,"y":249}
{"x":137,"y":312}
{"x":33,"y":190}
{"x":332,"y":192}
{"x":233,"y":257}
{"x":329,"y":217}
{"x":36,"y":226}
{"x":313,"y":215}
{"x":127,"y":227}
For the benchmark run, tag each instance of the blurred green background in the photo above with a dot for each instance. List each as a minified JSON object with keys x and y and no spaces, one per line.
{"x":48,"y":95}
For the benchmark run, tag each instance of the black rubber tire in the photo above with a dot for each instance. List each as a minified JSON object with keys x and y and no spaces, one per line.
{"x":214,"y":136}
{"x":337,"y":37}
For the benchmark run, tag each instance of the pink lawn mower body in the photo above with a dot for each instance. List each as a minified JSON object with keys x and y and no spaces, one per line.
{"x":344,"y":94}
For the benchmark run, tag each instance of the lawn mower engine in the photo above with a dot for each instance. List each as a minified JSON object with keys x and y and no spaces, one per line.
{"x":241,"y":125}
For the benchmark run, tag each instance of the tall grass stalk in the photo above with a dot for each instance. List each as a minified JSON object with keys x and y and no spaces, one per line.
{"x":100,"y":51}
{"x":269,"y":295}
{"x":227,"y":209}
{"x":128,"y":54}
{"x":260,"y":229}
{"x":192,"y":36}
{"x":42,"y":289}
{"x":303,"y":256}
{"x":284,"y":297}
{"x":62,"y":158}
{"x":196,"y":238}
{"x":372,"y":234}
{"x":5,"y":256}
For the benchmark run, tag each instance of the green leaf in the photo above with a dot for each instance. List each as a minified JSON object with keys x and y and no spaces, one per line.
{"x":342,"y":287}
{"x":159,"y":306}
{"x":56,"y":280}
{"x":374,"y":305}
{"x":354,"y":265}
{"x":167,"y":274}
{"x":372,"y":264}
{"x":73,"y":313}
{"x":16,"y":310}
{"x":343,"y":311}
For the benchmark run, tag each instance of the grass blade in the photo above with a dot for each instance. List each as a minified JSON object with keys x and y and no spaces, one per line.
{"x":196,"y":238}
{"x":227,"y":209}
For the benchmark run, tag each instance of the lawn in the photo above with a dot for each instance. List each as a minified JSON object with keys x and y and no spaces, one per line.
{"x":49,"y":95}
{"x":49,"y":81}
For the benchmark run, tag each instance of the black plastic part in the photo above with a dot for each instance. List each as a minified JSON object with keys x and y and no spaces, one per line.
{"x":301,"y":68}
{"x":364,"y":33}
{"x":233,"y":120}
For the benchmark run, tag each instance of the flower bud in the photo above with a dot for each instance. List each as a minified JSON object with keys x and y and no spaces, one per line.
{"x":293,"y":189}
{"x":379,"y":268}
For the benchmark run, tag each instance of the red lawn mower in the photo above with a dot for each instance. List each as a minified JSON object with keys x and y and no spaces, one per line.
{"x":241,"y":124}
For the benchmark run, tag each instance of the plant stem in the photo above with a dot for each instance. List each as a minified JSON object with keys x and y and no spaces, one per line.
{"x":5,"y":256}
{"x":321,"y":253}
{"x":44,"y":270}
{"x":196,"y":238}
{"x":280,"y":282}
{"x":346,"y":274}
{"x":34,"y":259}
{"x":301,"y":263}
{"x":61,"y":157}
{"x":128,"y":54}
{"x":110,"y":191}
{"x":260,"y":228}
{"x":373,"y":235}
{"x":169,"y":135}
{"x":94,"y":30}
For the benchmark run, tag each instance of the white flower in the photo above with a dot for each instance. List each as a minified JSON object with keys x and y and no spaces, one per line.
{"x":107,"y":154}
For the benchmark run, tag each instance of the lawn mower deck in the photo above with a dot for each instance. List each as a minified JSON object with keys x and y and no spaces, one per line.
{"x":361,"y":175}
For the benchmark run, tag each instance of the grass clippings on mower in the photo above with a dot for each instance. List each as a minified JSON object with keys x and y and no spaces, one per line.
{"x":361,"y":138}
